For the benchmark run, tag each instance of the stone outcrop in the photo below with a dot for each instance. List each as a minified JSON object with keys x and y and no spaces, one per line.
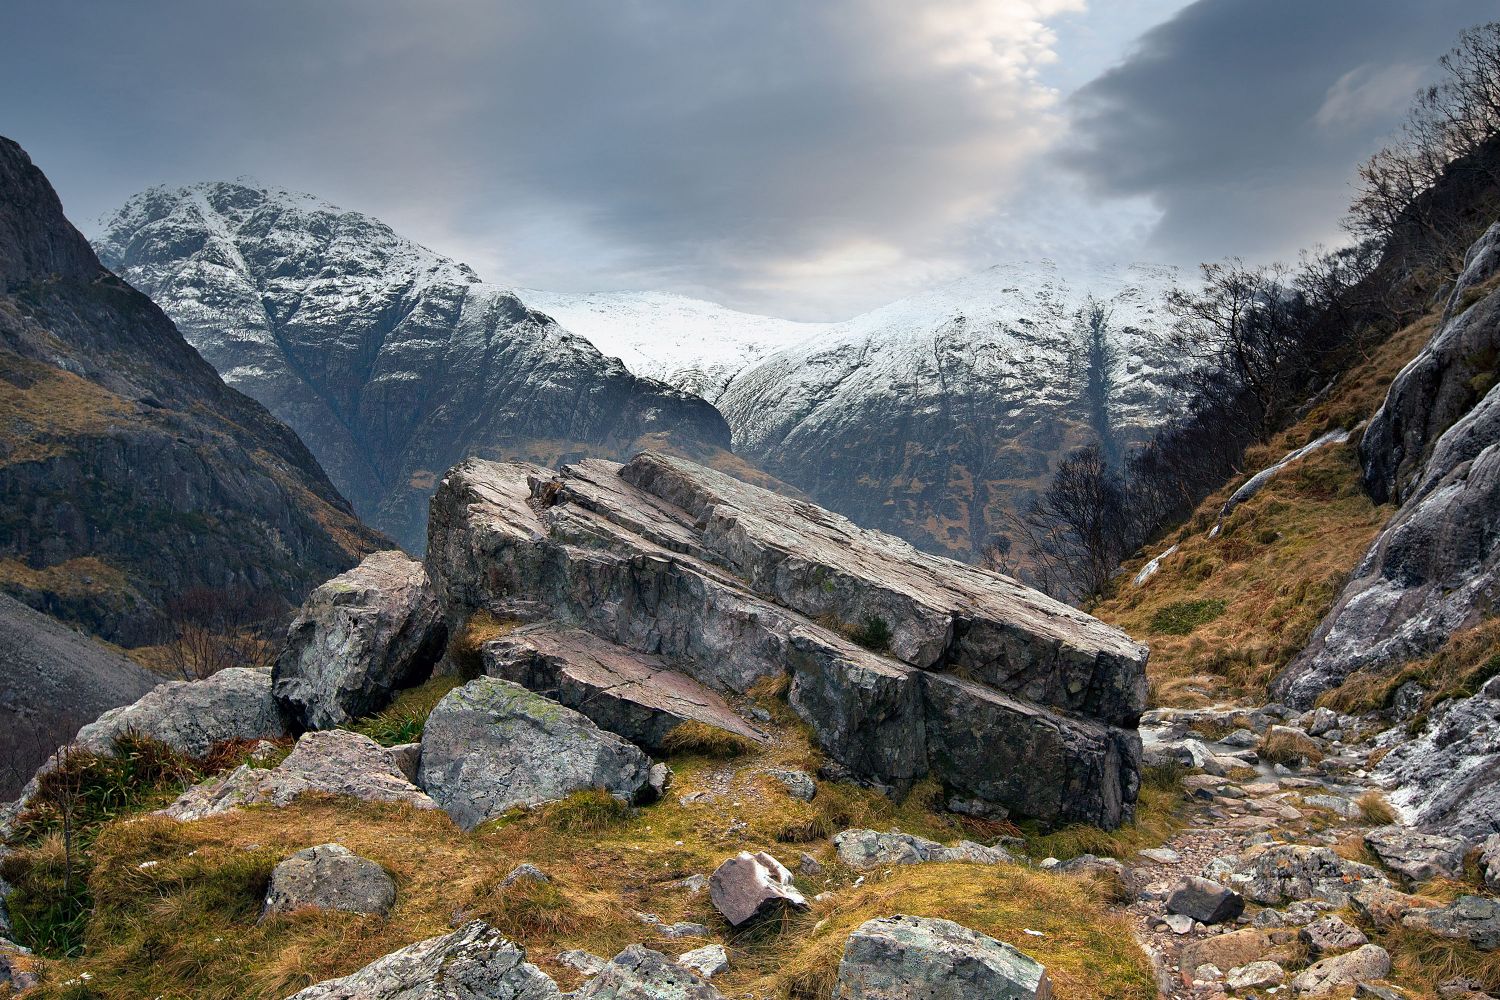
{"x":474,"y":961}
{"x":126,"y":463}
{"x":1015,"y":702}
{"x":491,"y":745}
{"x":1342,"y":972}
{"x":894,"y":958}
{"x":335,"y":762}
{"x":390,"y":361}
{"x":191,"y":716}
{"x":1418,"y":856}
{"x":1434,"y":449}
{"x":358,"y":638}
{"x":867,"y":848}
{"x":1475,"y":919}
{"x":329,"y":877}
{"x":638,"y":973}
{"x":1281,"y":873}
{"x":751,"y":886}
{"x":630,"y":694}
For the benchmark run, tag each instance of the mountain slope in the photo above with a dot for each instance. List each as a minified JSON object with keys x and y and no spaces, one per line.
{"x":392,"y":362}
{"x":927,"y":417}
{"x":129,"y":472}
{"x":697,"y":346}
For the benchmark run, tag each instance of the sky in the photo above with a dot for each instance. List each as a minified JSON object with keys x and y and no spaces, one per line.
{"x":802,"y":159}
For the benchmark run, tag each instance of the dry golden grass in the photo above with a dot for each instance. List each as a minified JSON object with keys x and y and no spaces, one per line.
{"x":82,"y":577}
{"x":464,"y":649}
{"x":700,"y":737}
{"x":1459,"y":669}
{"x":1374,"y":809}
{"x":1288,"y":747}
{"x":1278,"y":562}
{"x":41,"y":406}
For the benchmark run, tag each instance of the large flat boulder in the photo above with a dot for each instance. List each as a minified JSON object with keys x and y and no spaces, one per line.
{"x":358,"y":638}
{"x":894,"y":958}
{"x":474,"y":961}
{"x":335,"y":762}
{"x":630,"y":694}
{"x":638,"y":973}
{"x":492,"y":745}
{"x":732,"y":586}
{"x":191,"y":716}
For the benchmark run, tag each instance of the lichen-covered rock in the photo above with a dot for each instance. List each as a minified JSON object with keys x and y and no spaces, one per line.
{"x":898,"y":957}
{"x":867,"y":848}
{"x":329,"y":877}
{"x":356,"y":639}
{"x":491,"y":745}
{"x":798,"y":784}
{"x":1418,"y":856}
{"x":191,"y":716}
{"x":1205,"y":901}
{"x":630,"y":694}
{"x":1255,"y":976}
{"x":733,"y":585}
{"x":750,"y":886}
{"x":1341,"y":972}
{"x":334,"y":762}
{"x":1489,"y":861}
{"x":708,"y":961}
{"x":1227,"y":951}
{"x":473,"y":963}
{"x":638,"y":973}
{"x":1280,"y":873}
{"x":1331,"y":934}
{"x":1475,"y":919}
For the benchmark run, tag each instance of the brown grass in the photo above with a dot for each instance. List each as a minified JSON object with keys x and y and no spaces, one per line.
{"x":1458,"y":670}
{"x":1374,"y":809}
{"x":1289,"y":748}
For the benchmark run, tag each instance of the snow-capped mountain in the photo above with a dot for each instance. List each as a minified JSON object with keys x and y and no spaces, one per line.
{"x":928,"y":416}
{"x":390,"y":361}
{"x":695,"y":345}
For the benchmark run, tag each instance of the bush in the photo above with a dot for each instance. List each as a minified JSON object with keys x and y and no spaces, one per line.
{"x":874,"y":633}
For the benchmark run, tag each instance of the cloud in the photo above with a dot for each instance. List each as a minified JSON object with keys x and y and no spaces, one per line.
{"x":1242,"y":120}
{"x":745,"y":149}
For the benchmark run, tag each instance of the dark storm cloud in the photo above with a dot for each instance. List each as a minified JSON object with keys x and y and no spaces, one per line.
{"x":1243,"y":120}
{"x":750,"y":148}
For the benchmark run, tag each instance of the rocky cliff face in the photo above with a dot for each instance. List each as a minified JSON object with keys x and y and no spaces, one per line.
{"x":129,"y":472}
{"x":1433,"y":448}
{"x":904,"y":664}
{"x":929,"y":417}
{"x":392,"y":362}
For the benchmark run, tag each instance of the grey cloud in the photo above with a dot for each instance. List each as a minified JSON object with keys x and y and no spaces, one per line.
{"x":1243,"y":120}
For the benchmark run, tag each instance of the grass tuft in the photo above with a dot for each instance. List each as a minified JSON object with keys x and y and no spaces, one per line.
{"x":403,"y":720}
{"x":1289,"y":749}
{"x":1374,"y":809}
{"x":694,"y":737}
{"x":1185,"y":617}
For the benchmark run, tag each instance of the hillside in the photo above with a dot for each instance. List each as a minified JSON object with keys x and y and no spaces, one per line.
{"x":129,"y":472}
{"x":931,"y":416}
{"x":390,"y":361}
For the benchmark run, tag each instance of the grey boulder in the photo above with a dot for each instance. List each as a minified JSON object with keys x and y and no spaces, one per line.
{"x":1475,"y":919}
{"x":867,"y":848}
{"x":191,"y":716}
{"x":1279,"y":873}
{"x":1418,"y":856}
{"x":335,"y":762}
{"x":749,"y":886}
{"x":1489,"y":861}
{"x":491,"y":745}
{"x":473,"y":963}
{"x":358,"y":638}
{"x":329,"y":877}
{"x":1331,"y":975}
{"x":708,"y":961}
{"x":638,"y":973}
{"x":899,"y":957}
{"x":1205,"y":901}
{"x":1330,"y":934}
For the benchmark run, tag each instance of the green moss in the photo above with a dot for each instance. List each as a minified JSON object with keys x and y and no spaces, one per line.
{"x":1182,"y":617}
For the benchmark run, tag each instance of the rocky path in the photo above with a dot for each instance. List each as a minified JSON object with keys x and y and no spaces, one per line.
{"x":1250,"y":824}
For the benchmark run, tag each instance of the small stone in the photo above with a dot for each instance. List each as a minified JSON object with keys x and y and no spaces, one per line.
{"x":1489,"y":861}
{"x":585,"y":962}
{"x":1207,"y":973}
{"x":638,"y":973}
{"x":1161,"y":855}
{"x":1178,"y":923}
{"x":1207,"y":901}
{"x":798,"y":784}
{"x":708,"y":961}
{"x":329,"y":877}
{"x":1255,"y":976}
{"x":525,"y":872}
{"x":1331,"y":934}
{"x":658,"y":780}
{"x":749,"y":886}
{"x":809,"y":865}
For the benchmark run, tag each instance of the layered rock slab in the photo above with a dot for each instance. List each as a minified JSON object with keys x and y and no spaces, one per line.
{"x":630,"y":694}
{"x":733,"y":585}
{"x":893,"y":958}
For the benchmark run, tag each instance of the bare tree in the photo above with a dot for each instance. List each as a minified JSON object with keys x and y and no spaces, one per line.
{"x":1096,"y":366}
{"x":212,"y":629}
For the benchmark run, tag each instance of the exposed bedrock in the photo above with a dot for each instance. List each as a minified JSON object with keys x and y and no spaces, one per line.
{"x":647,"y":583}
